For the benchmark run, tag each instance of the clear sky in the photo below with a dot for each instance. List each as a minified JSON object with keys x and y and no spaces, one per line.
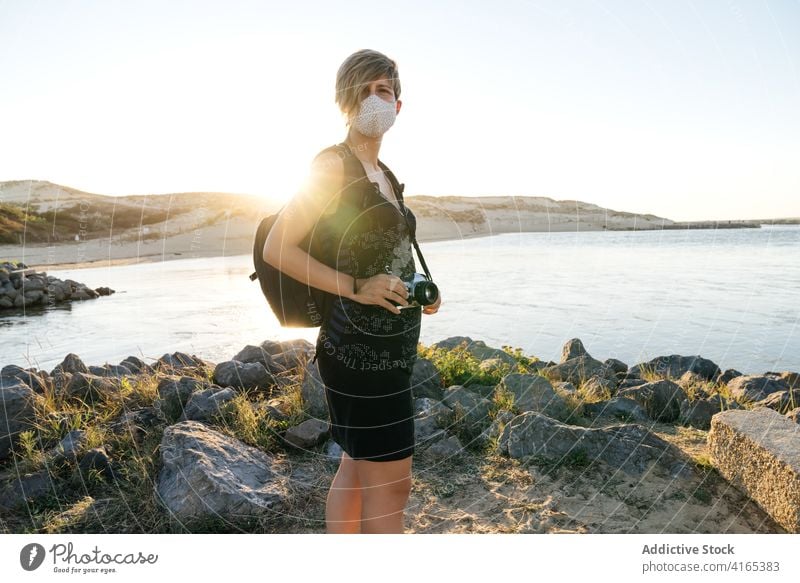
{"x":685,"y":109}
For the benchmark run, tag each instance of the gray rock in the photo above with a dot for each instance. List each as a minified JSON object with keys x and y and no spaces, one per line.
{"x":661,"y":399}
{"x":748,"y":388}
{"x":427,"y":430}
{"x":436,"y":409}
{"x":565,"y":388}
{"x":313,"y":392}
{"x":533,"y":392}
{"x":474,"y":407}
{"x":27,"y":488}
{"x":89,"y":387}
{"x":577,"y":370}
{"x":284,"y":361}
{"x":137,"y":365}
{"x":72,"y":363}
{"x":174,"y":393}
{"x":69,"y":448}
{"x":758,"y":451}
{"x":780,"y":401}
{"x":96,"y":459}
{"x":445,"y":449}
{"x":727,"y":375}
{"x":492,"y":433}
{"x":203,"y":405}
{"x":18,"y":407}
{"x":425,"y":380}
{"x":631,"y":448}
{"x":697,"y":413}
{"x":301,"y":347}
{"x":495,"y":366}
{"x":250,"y":354}
{"x":333,"y":450}
{"x":242,"y":375}
{"x":616,"y":365}
{"x":720,"y":403}
{"x":137,"y":422}
{"x":596,"y":387}
{"x":35,"y":380}
{"x":308,"y":433}
{"x":478,"y":349}
{"x":111,"y":370}
{"x":675,"y":365}
{"x":206,"y":474}
{"x":627,"y":383}
{"x":620,"y":408}
{"x":180,"y":362}
{"x":572,"y":349}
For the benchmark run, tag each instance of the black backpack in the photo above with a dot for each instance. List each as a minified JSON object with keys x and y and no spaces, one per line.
{"x":297,"y":304}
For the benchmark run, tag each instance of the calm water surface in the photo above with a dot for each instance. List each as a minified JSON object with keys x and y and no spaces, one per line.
{"x":728,"y":295}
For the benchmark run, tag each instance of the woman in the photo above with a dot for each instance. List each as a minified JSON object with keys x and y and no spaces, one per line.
{"x":368,"y":342}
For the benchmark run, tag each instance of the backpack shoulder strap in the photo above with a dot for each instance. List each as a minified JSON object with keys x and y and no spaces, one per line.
{"x":354,"y":174}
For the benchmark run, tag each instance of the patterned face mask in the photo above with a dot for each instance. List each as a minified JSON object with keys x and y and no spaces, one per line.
{"x":375,"y":116}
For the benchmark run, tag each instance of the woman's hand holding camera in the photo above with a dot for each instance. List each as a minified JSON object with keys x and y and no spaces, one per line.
{"x":379,"y":289}
{"x":434,"y":307}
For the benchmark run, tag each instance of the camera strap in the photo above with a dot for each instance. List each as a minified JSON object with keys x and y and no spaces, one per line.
{"x":398,"y":188}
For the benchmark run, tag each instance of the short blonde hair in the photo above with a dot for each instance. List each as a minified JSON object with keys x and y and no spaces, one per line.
{"x":358,"y":70}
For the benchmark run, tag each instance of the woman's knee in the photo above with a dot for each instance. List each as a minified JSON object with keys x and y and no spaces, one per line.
{"x":391,"y":478}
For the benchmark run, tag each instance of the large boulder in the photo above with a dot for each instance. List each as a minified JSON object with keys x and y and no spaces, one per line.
{"x":631,"y":448}
{"x":674,"y":366}
{"x":89,"y":387}
{"x":474,"y":407}
{"x":36,"y":380}
{"x":204,"y":404}
{"x":312,"y":390}
{"x":207,"y":474}
{"x":250,"y":354}
{"x":661,"y":399}
{"x":174,"y":393}
{"x":758,"y":451}
{"x":579,"y":368}
{"x":478,"y":349}
{"x":243,"y":375}
{"x":748,"y":388}
{"x":426,"y":380}
{"x":17,"y":412}
{"x":533,"y":392}
{"x":781,"y":401}
{"x":308,"y":433}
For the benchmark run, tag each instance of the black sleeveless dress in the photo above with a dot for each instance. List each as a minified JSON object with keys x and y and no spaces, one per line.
{"x":365,"y":353}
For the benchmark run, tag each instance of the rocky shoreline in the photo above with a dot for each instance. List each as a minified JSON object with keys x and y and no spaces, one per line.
{"x":581,"y":445}
{"x":22,"y":287}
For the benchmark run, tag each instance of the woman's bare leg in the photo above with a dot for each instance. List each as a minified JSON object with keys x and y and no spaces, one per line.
{"x":385,"y":490}
{"x":343,"y":505}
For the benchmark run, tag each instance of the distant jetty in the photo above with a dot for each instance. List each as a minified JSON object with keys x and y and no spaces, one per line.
{"x":22,"y":287}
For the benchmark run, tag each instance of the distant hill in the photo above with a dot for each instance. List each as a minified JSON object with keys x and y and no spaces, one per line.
{"x":50,"y":223}
{"x":45,"y":212}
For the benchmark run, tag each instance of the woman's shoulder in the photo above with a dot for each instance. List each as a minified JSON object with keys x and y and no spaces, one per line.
{"x":329,"y":154}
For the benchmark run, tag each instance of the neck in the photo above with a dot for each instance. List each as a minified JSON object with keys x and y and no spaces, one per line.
{"x":364,"y":147}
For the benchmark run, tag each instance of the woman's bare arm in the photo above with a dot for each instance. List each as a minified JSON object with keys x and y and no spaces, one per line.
{"x":318,"y":195}
{"x":281,"y":249}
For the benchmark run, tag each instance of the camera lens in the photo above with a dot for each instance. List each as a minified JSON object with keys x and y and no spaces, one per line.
{"x":428,"y":292}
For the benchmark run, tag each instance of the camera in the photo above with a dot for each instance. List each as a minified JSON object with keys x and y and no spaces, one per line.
{"x":421,"y":291}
